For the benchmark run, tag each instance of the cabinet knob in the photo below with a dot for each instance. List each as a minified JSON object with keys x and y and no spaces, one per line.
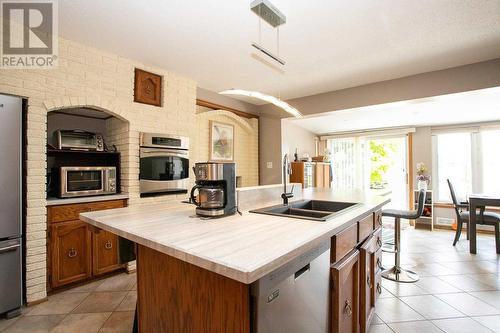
{"x":108,"y":245}
{"x":72,"y":253}
{"x":369,"y":282}
{"x":348,"y":308}
{"x":379,"y":263}
{"x":379,"y":288}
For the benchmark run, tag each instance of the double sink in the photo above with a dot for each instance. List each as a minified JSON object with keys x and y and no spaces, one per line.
{"x":316,"y":210}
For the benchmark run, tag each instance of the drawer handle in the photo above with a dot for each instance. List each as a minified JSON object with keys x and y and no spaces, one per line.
{"x":369,"y":282}
{"x":108,"y":245}
{"x":379,"y":242}
{"x":379,"y":288}
{"x":379,"y":263}
{"x":72,"y":253}
{"x":348,"y":308}
{"x":379,"y":219}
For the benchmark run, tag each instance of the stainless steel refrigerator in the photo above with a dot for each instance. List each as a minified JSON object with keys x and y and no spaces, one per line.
{"x":11,"y":284}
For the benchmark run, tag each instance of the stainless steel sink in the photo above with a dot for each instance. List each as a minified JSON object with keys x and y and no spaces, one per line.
{"x":316,"y":210}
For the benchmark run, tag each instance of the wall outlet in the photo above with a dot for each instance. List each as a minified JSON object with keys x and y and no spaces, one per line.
{"x":269,"y":165}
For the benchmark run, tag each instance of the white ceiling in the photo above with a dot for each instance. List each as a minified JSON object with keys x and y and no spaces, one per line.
{"x":470,"y":107}
{"x":328,"y":44}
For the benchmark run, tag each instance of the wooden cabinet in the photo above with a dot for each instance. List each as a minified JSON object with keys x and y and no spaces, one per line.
{"x":106,"y":255}
{"x":356,"y":275}
{"x":76,"y":250}
{"x":367,"y":282}
{"x":311,"y":174}
{"x":322,"y":174}
{"x":70,"y":252}
{"x":345,"y":294}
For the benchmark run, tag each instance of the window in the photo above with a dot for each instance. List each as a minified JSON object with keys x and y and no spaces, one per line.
{"x":469,"y":160}
{"x":490,"y":140}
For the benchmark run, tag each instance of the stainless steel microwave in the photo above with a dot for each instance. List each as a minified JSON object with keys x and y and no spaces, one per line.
{"x":164,"y":164}
{"x":78,"y":140}
{"x":86,"y":181}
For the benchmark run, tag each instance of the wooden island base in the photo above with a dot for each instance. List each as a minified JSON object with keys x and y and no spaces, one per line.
{"x":176,"y":296}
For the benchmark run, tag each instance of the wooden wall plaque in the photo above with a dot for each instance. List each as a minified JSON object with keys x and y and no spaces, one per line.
{"x":147,"y":87}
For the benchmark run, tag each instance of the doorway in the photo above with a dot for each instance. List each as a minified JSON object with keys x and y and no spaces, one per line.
{"x":386,"y":168}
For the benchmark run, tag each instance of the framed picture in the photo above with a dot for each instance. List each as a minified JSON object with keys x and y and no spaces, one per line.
{"x":221,"y":142}
{"x":147,"y":88}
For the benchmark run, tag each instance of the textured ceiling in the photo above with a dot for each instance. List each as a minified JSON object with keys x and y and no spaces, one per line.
{"x":327,"y":44}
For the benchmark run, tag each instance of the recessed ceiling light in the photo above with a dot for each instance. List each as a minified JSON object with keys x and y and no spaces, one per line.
{"x":266,"y":98}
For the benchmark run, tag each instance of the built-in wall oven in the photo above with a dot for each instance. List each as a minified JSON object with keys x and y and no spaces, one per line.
{"x":164,"y":164}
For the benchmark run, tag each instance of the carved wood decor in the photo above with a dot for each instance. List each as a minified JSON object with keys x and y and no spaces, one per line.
{"x":147,"y":87}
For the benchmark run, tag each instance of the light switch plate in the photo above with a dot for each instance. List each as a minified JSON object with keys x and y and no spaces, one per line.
{"x":269,"y":165}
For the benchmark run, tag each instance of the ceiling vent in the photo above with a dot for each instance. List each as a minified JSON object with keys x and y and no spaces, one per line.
{"x":266,"y":11}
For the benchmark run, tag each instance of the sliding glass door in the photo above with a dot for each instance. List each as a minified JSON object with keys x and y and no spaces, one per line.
{"x":378,"y":164}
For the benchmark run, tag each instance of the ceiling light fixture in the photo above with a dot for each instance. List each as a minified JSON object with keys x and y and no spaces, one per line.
{"x":266,"y":98}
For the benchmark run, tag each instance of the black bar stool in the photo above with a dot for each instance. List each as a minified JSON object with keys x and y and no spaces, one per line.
{"x":397,"y":273}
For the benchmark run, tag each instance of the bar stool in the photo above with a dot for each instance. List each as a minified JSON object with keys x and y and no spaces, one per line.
{"x":397,"y":273}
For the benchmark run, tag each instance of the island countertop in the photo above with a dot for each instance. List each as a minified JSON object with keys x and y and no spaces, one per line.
{"x":243,"y":248}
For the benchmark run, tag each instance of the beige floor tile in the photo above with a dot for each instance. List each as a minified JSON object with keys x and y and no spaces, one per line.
{"x":4,"y":323}
{"x":468,"y":304}
{"x":402,"y":289}
{"x":394,"y":310}
{"x":460,"y":325}
{"x":121,"y":282}
{"x":34,"y":324}
{"x":119,"y":322}
{"x":128,"y":303}
{"x":492,"y":280}
{"x":81,"y":323}
{"x":490,"y":297}
{"x":415,"y":327}
{"x":473,"y":267}
{"x":465,"y":283}
{"x":58,"y":304}
{"x":106,"y":301}
{"x":492,"y":322}
{"x":379,"y":328}
{"x":376,"y":320}
{"x":434,"y":285}
{"x":431,"y":307}
{"x":88,"y":287}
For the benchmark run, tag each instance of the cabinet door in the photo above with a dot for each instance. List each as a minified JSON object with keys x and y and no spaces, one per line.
{"x":345,"y":294}
{"x":320,"y":181}
{"x":70,"y":252}
{"x":367,"y":282}
{"x":105,"y":255}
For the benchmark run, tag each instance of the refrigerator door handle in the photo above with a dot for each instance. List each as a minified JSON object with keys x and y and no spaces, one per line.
{"x":9,"y":248}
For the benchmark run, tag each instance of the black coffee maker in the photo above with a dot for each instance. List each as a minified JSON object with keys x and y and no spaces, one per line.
{"x":216,"y":185}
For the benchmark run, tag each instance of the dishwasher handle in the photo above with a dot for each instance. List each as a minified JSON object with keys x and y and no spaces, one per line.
{"x":302,"y":271}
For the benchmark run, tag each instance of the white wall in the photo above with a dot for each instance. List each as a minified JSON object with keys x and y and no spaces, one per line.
{"x":293,"y":136}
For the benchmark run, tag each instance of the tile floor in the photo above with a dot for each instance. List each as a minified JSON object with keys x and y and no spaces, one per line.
{"x":457,"y":292}
{"x":104,"y":306}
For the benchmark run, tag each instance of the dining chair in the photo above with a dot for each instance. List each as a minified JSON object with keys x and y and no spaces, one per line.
{"x":485,"y":218}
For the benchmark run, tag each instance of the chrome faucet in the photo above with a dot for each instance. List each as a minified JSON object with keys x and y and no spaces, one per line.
{"x":287,"y":170}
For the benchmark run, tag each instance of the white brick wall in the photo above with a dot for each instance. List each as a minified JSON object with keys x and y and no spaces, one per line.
{"x":92,"y":78}
{"x":246,"y":145}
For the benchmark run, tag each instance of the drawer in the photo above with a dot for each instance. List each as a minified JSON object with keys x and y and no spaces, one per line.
{"x":365,"y":227}
{"x":344,"y":242}
{"x":72,"y":211}
{"x":377,"y":219}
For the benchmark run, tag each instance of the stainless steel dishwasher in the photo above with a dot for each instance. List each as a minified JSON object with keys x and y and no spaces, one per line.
{"x":294,"y":298}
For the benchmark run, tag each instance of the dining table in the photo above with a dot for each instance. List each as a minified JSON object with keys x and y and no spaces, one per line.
{"x":478,"y":201}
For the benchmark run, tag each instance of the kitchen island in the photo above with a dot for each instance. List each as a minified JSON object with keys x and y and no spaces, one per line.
{"x":196,"y":275}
